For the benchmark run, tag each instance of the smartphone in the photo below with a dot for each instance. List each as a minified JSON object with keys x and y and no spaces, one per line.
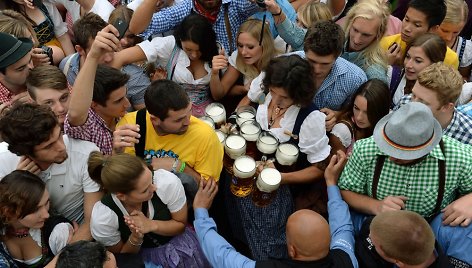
{"x":394,"y":46}
{"x":121,"y":26}
{"x":48,"y":51}
{"x":37,"y":3}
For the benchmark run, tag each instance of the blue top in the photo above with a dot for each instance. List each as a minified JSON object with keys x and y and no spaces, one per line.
{"x":372,"y":71}
{"x":292,"y":34}
{"x":238,"y":12}
{"x":136,"y":85}
{"x":466,"y":108}
{"x":221,"y":254}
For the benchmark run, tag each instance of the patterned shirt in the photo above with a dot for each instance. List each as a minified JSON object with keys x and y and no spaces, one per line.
{"x":466,"y":109}
{"x":460,"y":127}
{"x":238,"y":10}
{"x":94,"y":130}
{"x":418,"y":182}
{"x":5,"y":94}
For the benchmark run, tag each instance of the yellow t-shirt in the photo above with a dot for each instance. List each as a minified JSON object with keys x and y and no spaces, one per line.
{"x":450,"y":59}
{"x":199,"y":146}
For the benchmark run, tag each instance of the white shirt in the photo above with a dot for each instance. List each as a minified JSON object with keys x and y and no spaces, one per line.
{"x":103,"y":8}
{"x":104,"y":221}
{"x":66,"y":182}
{"x":60,"y":27}
{"x":159,"y":50}
{"x":312,"y":139}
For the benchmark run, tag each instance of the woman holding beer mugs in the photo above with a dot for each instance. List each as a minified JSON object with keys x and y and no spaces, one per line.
{"x":370,"y":102}
{"x":144,"y":211}
{"x":288,"y":115}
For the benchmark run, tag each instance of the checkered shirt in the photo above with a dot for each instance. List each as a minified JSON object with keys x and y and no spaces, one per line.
{"x":460,"y":127}
{"x":466,"y":109}
{"x":418,"y":182}
{"x":340,"y":84}
{"x":238,"y":12}
{"x":94,"y":130}
{"x":5,"y":94}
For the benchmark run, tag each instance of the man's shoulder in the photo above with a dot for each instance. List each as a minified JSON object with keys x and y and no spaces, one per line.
{"x":128,"y":118}
{"x":351,"y":71}
{"x":456,"y":150}
{"x":199,"y":128}
{"x":366,"y":147}
{"x":79,"y":147}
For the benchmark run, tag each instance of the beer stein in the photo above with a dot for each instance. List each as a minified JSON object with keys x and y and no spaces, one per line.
{"x":235,"y":146}
{"x":286,"y":156}
{"x":267,"y":144}
{"x":251,"y":130}
{"x":217,"y":112}
{"x":221,"y":136}
{"x":244,"y":168}
{"x":267,"y":184}
{"x":208,"y":121}
{"x":245,"y":113}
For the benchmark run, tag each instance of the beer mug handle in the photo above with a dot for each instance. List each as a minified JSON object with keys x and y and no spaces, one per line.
{"x":263,"y":158}
{"x":233,"y":129}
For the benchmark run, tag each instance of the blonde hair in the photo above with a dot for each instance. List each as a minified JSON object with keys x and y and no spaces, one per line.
{"x":404,"y":236}
{"x":253,"y":27}
{"x":457,"y":11}
{"x":370,"y":10}
{"x":313,"y":11}
{"x":16,"y":24}
{"x":115,"y":173}
{"x":444,"y":80}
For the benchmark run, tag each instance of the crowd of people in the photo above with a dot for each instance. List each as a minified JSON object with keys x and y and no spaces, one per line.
{"x":235,"y":133}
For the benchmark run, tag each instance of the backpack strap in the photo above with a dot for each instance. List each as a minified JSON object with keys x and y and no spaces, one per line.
{"x":395,"y":80}
{"x":141,"y":121}
{"x":170,"y":68}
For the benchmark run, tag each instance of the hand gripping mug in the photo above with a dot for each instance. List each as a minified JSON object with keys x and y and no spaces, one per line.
{"x":244,"y":168}
{"x":266,"y":187}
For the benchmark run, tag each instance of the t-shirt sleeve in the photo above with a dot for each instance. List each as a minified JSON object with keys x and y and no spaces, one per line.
{"x":129,"y":118}
{"x":313,"y":139}
{"x":209,"y":156}
{"x":353,"y":177}
{"x":60,"y":27}
{"x":342,"y":132}
{"x":255,"y":88}
{"x":104,"y":225}
{"x":232,"y":59}
{"x":170,"y":190}
{"x":158,"y":48}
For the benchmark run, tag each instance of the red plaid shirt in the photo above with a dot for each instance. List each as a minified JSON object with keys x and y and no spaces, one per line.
{"x":5,"y":94}
{"x":94,"y":130}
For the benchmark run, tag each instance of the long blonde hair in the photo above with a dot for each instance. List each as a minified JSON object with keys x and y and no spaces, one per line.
{"x":457,"y":11}
{"x":369,"y":10}
{"x":313,"y":11}
{"x":253,"y":27}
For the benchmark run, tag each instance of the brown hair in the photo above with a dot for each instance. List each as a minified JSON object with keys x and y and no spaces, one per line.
{"x":20,"y":194}
{"x":15,"y":23}
{"x":404,"y":236}
{"x":45,"y":76}
{"x":444,"y":80}
{"x":115,"y":173}
{"x":324,"y":38}
{"x":27,"y":125}
{"x":86,"y":28}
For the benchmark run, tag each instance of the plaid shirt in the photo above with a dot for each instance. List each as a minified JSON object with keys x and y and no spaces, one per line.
{"x":460,"y":127}
{"x":5,"y":94}
{"x":94,"y":130}
{"x":238,"y":12}
{"x":466,"y":109}
{"x":418,"y":182}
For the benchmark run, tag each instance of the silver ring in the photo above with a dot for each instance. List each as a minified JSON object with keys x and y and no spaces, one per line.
{"x":122,"y":139}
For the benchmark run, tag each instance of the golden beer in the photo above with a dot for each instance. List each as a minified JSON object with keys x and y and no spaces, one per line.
{"x":244,"y":168}
{"x":266,"y":187}
{"x":217,"y":112}
{"x":235,"y":146}
{"x":251,"y":130}
{"x":267,"y":144}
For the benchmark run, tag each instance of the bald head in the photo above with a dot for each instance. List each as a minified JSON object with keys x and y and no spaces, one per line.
{"x":308,"y":235}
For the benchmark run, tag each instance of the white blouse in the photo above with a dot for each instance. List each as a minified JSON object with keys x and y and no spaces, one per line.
{"x":159,"y":50}
{"x":312,"y":139}
{"x":104,"y":221}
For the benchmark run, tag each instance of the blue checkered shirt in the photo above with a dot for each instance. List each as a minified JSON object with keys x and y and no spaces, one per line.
{"x":460,"y":127}
{"x":238,"y":12}
{"x":466,"y":108}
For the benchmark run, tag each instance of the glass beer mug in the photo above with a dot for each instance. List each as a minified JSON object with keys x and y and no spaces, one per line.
{"x":208,"y":121}
{"x":244,"y":168}
{"x":244,"y":114}
{"x":235,"y":146}
{"x":286,"y":156}
{"x":251,"y":130}
{"x":267,"y":144}
{"x":267,"y":184}
{"x":217,"y":112}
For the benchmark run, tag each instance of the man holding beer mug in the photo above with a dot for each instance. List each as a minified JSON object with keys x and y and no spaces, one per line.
{"x":331,"y":249}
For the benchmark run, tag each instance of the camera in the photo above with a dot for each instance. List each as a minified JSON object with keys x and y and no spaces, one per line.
{"x":261,"y":3}
{"x":48,"y":51}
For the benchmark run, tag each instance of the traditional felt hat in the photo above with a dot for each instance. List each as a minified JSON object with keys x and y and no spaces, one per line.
{"x":13,"y":49}
{"x":409,"y":133}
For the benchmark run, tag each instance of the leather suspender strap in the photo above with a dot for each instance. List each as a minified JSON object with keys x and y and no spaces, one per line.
{"x":228,"y":30}
{"x":378,"y":169}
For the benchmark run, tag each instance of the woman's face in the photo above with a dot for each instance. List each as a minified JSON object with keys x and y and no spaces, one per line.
{"x":191,"y":49}
{"x":280,"y":97}
{"x":144,"y":188}
{"x":36,"y":219}
{"x":449,"y":32}
{"x":359,"y":110}
{"x":249,"y":49}
{"x":415,"y":61}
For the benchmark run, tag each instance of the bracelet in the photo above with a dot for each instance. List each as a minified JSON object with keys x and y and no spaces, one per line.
{"x":133,"y":244}
{"x":278,"y":14}
{"x":174,"y":166}
{"x":182,"y":167}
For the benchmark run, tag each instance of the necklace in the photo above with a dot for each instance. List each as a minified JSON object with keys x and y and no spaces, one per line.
{"x":19,"y":233}
{"x":276,"y":113}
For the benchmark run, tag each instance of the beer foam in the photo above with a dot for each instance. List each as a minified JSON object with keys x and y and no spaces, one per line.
{"x":268,"y":140}
{"x":235,"y":142}
{"x":271,"y":176}
{"x":245,"y":164}
{"x":215,"y":111}
{"x":288,"y":149}
{"x":249,"y":129}
{"x":246,"y":115}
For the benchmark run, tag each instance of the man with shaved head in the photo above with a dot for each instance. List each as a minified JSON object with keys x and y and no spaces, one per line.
{"x":311,"y":242}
